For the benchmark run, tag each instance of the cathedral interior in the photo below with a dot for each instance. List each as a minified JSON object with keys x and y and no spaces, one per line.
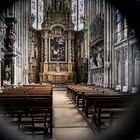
{"x":63,"y":43}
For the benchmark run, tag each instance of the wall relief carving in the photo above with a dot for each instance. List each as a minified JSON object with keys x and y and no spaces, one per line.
{"x":63,"y":67}
{"x":52,"y":67}
{"x":10,"y":34}
{"x":97,"y":29}
{"x":2,"y":30}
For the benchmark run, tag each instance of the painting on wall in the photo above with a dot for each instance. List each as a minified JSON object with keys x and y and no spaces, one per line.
{"x":57,"y":49}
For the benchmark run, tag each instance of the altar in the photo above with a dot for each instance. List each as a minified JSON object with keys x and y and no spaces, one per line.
{"x":58,"y":77}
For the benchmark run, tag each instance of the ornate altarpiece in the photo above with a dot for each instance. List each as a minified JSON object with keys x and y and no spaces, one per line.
{"x":57,"y":49}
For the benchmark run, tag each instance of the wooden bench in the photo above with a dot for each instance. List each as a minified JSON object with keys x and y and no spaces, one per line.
{"x":104,"y":107}
{"x":18,"y":105}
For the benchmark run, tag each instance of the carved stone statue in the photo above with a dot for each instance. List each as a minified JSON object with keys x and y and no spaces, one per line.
{"x":99,"y":60}
{"x":59,"y":5}
{"x":57,"y":67}
{"x":52,"y":67}
{"x":7,"y":73}
{"x":67,"y":4}
{"x":12,"y":37}
{"x":92,"y":64}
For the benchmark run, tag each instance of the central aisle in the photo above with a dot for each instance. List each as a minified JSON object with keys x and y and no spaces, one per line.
{"x":68,"y":123}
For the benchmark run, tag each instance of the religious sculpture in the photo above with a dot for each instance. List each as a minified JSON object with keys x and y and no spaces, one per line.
{"x":57,"y":67}
{"x":10,"y":37}
{"x":99,"y":60}
{"x":7,"y":73}
{"x":92,"y":63}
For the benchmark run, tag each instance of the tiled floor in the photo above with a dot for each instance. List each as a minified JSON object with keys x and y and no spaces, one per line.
{"x":68,"y":123}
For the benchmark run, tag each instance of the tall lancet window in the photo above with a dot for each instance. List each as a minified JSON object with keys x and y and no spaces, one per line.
{"x":37,"y":13}
{"x":78,"y":14}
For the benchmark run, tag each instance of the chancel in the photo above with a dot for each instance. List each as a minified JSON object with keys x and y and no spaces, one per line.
{"x":71,"y":65}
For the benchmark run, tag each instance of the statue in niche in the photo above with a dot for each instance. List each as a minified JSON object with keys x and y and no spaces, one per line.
{"x":7,"y":73}
{"x":57,"y":31}
{"x":58,"y":5}
{"x":52,"y":67}
{"x":99,"y":60}
{"x":57,"y":67}
{"x":93,"y":63}
{"x":63,"y":67}
{"x":67,"y":4}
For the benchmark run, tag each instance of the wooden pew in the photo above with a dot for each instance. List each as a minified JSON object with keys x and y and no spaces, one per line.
{"x":18,"y":103}
{"x":75,"y":92}
{"x":105,"y":106}
{"x":38,"y":123}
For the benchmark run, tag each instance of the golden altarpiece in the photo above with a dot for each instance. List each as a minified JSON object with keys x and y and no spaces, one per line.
{"x":54,"y":49}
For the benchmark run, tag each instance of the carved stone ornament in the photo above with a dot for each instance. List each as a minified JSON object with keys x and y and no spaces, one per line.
{"x":2,"y":30}
{"x":136,"y":53}
{"x":10,"y":35}
{"x":97,"y":28}
{"x":99,"y":60}
{"x":7,"y":73}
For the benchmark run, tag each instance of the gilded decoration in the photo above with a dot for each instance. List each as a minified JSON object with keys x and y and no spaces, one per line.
{"x":57,"y":46}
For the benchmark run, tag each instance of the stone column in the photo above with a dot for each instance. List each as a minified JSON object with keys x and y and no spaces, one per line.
{"x":113,"y":62}
{"x":42,"y":50}
{"x":106,"y":41}
{"x":24,"y":28}
{"x":46,"y":47}
{"x":2,"y":35}
{"x":108,"y":27}
{"x":13,"y":71}
{"x":0,"y":66}
{"x":88,"y":40}
{"x":69,"y":51}
{"x":30,"y":46}
{"x":69,"y":48}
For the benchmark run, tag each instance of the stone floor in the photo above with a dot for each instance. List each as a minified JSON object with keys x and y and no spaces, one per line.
{"x":68,"y":123}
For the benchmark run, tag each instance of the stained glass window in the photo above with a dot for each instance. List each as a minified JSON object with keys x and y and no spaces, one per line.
{"x":37,"y":13}
{"x":74,"y":14}
{"x":78,"y":14}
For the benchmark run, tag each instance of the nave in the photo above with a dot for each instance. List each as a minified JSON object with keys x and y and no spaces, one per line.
{"x":67,"y":122}
{"x":69,"y":114}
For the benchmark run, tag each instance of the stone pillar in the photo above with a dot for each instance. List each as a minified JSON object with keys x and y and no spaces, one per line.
{"x":0,"y":67}
{"x":30,"y":46}
{"x":106,"y":41}
{"x":42,"y":50}
{"x":2,"y":35}
{"x":46,"y":47}
{"x":27,"y":9}
{"x":69,"y":48}
{"x":24,"y":28}
{"x":13,"y":71}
